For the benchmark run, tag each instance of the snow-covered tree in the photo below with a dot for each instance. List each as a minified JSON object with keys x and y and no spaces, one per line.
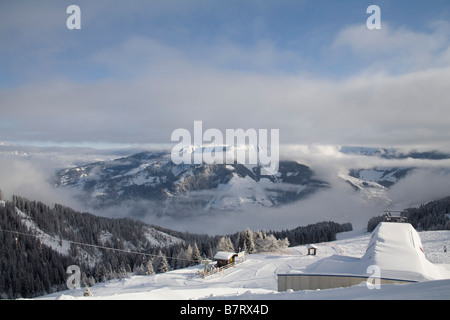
{"x":144,"y":268}
{"x":225,"y":244}
{"x":246,"y":241}
{"x":149,"y":268}
{"x":100,"y":272}
{"x":196,"y":257}
{"x":269,"y":243}
{"x":181,"y":259}
{"x":139,"y":269}
{"x":87,"y":292}
{"x":90,"y":281}
{"x":161,"y":263}
{"x":188,"y":255}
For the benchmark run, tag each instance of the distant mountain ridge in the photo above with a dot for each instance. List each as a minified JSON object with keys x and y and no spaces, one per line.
{"x":192,"y":189}
{"x":393,"y":153}
{"x":153,"y":176}
{"x":373,"y":183}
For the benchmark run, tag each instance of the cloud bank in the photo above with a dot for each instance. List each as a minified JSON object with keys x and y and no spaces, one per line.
{"x":28,"y":174}
{"x":397,"y":95}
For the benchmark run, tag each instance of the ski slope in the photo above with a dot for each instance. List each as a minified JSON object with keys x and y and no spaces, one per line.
{"x":256,"y":277}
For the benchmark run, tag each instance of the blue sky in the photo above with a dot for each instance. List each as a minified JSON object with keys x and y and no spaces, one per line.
{"x":137,"y":70}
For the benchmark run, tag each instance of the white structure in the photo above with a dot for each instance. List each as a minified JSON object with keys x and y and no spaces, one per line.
{"x":395,"y":249}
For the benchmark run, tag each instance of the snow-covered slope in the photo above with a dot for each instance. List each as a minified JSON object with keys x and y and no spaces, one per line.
{"x":370,"y":191}
{"x":256,"y":277}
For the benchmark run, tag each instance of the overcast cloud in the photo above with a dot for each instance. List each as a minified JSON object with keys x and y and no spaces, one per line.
{"x":136,"y":84}
{"x":371,"y":109}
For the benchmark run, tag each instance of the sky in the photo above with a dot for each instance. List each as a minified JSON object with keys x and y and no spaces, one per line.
{"x":137,"y":70}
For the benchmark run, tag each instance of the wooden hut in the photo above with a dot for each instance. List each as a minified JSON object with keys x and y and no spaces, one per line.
{"x":312,"y":249}
{"x":224,"y":258}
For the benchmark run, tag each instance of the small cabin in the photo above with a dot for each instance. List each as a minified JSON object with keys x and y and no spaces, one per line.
{"x":224,"y":258}
{"x":312,"y":249}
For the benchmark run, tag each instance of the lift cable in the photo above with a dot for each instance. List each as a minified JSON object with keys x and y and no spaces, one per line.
{"x":85,"y":244}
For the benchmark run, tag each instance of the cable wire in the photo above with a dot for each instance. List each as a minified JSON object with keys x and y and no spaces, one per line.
{"x":89,"y":245}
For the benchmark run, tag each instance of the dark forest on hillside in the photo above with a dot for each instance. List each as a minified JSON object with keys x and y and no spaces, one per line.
{"x":29,"y":268}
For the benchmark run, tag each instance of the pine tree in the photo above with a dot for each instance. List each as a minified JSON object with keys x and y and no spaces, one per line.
{"x":87,"y":292}
{"x":196,"y":257}
{"x":225,"y":244}
{"x":181,"y":259}
{"x":188,"y":255}
{"x":138,"y":269}
{"x":246,"y":241}
{"x":161,"y":263}
{"x":269,"y":243}
{"x":100,"y":272}
{"x":149,"y":268}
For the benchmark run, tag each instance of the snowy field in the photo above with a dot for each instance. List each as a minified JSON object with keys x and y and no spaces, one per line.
{"x":256,"y":277}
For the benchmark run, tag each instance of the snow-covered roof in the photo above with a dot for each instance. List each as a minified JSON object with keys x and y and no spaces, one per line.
{"x":311,"y":246}
{"x":395,"y":248}
{"x":224,"y":255}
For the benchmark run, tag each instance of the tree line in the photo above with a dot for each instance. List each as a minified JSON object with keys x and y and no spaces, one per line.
{"x":433,"y":215}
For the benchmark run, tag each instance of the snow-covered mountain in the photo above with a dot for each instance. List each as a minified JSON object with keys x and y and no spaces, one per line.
{"x":153,"y":176}
{"x":188,"y":189}
{"x":373,"y":184}
{"x":384,"y":176}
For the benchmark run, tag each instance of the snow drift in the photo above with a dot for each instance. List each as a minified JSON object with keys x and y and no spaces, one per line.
{"x":394,"y":255}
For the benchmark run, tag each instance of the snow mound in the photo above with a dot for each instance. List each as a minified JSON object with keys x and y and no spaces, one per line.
{"x":398,"y":250}
{"x":395,"y":248}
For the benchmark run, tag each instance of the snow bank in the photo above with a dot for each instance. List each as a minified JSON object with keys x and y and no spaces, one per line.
{"x":395,"y":248}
